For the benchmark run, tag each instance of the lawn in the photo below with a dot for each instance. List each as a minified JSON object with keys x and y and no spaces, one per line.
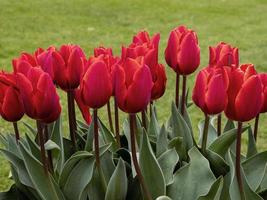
{"x":28,"y":24}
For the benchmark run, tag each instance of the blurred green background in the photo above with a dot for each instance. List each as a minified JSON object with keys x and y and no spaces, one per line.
{"x":28,"y":24}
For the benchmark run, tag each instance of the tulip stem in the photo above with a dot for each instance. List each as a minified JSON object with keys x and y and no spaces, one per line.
{"x":183,"y":95}
{"x":151,"y":108}
{"x":219,"y":124}
{"x":177,"y":90}
{"x":49,"y":152}
{"x":110,"y":117}
{"x":42,"y":147}
{"x":144,"y":119}
{"x":238,"y":158}
{"x":134,"y":157}
{"x":15,"y":126}
{"x":205,"y":133}
{"x":72,"y":118}
{"x":117,"y":126}
{"x":256,"y":126}
{"x":97,"y":157}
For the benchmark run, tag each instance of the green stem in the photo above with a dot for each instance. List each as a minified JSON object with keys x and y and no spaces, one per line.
{"x":16,"y":130}
{"x":72,"y":118}
{"x":183,"y":95}
{"x":177,"y":90}
{"x":117,"y":125}
{"x":110,"y":117}
{"x":256,"y":126}
{"x":205,"y":134}
{"x":238,"y":160}
{"x":219,"y":124}
{"x":143,"y":113}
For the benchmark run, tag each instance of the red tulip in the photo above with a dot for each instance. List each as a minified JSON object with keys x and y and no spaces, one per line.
{"x":83,"y":108}
{"x":245,"y":96}
{"x":263,"y":78}
{"x":159,"y":82}
{"x":96,"y":85}
{"x":68,"y":66}
{"x":11,"y":106}
{"x":183,"y":53}
{"x":133,"y":85}
{"x":41,"y":58}
{"x":210,"y":91}
{"x":40,"y":99}
{"x":223,"y":55}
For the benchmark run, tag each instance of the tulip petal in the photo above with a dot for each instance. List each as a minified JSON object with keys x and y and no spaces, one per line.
{"x":172,"y":50}
{"x":83,"y":108}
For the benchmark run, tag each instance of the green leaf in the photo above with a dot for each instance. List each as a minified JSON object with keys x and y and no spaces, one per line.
{"x":79,"y":177}
{"x":117,"y":186}
{"x":153,"y":128}
{"x":212,"y":133}
{"x":215,"y":190}
{"x":255,"y":170}
{"x":224,"y":141}
{"x":217,"y":163}
{"x":90,"y":138}
{"x":150,"y":169}
{"x":178,"y":144}
{"x":57,"y":137}
{"x":167,"y":162}
{"x":70,"y":164}
{"x":42,"y":182}
{"x":180,"y":128}
{"x":108,"y":136}
{"x":30,"y":128}
{"x":20,"y":167}
{"x":163,"y":198}
{"x":252,"y":149}
{"x":229,"y":125}
{"x":193,"y":180}
{"x":162,"y":141}
{"x":35,"y":149}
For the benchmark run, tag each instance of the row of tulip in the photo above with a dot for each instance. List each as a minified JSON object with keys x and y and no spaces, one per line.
{"x":135,"y":80}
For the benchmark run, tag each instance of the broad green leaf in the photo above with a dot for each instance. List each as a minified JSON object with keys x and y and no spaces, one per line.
{"x":90,"y":138}
{"x":107,"y":136}
{"x":163,"y":198}
{"x":212,"y":133}
{"x":217,"y":163}
{"x":178,"y":144}
{"x":35,"y":149}
{"x":70,"y":164}
{"x":215,"y":190}
{"x":162,"y":141}
{"x":30,"y":128}
{"x":252,"y":149}
{"x":153,"y":128}
{"x":41,"y":181}
{"x":180,"y":128}
{"x":167,"y":162}
{"x":150,"y":169}
{"x":50,"y":145}
{"x":79,"y":177}
{"x":117,"y":186}
{"x":224,"y":141}
{"x":229,"y":125}
{"x":254,"y":169}
{"x":193,"y":180}
{"x":20,"y":167}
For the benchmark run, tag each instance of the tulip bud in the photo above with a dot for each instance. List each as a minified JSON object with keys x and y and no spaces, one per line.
{"x":68,"y":66}
{"x":183,"y":53}
{"x":39,"y":96}
{"x":223,"y":55}
{"x":210,"y":91}
{"x":245,"y":96}
{"x":96,"y":85}
{"x":133,"y":85}
{"x":159,"y":82}
{"x":83,"y":108}
{"x":11,"y":106}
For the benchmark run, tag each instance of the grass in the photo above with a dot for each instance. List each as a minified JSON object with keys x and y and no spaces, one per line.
{"x":28,"y":24}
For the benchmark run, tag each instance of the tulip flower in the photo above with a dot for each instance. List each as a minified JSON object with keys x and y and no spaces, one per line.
{"x":132,"y":80}
{"x":41,"y":58}
{"x":68,"y":64}
{"x":182,"y":54}
{"x":11,"y":105}
{"x":245,"y":100}
{"x":223,"y":55}
{"x":39,"y":96}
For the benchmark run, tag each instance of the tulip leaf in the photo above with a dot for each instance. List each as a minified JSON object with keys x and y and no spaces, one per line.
{"x":215,"y":190}
{"x":180,"y":128}
{"x":163,"y":198}
{"x":224,"y":141}
{"x":30,"y":128}
{"x":20,"y":167}
{"x":167,"y":162}
{"x":252,"y":149}
{"x":212,"y":133}
{"x":41,"y":181}
{"x":150,"y":169}
{"x":178,"y":144}
{"x":162,"y":141}
{"x":217,"y":163}
{"x":117,"y":186}
{"x":192,"y":180}
{"x":229,"y":125}
{"x":90,"y":138}
{"x":79,"y":177}
{"x":255,"y":171}
{"x":107,"y":136}
{"x":35,"y":149}
{"x":153,"y":128}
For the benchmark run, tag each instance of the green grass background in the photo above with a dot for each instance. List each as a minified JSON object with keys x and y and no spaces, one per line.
{"x":28,"y":24}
